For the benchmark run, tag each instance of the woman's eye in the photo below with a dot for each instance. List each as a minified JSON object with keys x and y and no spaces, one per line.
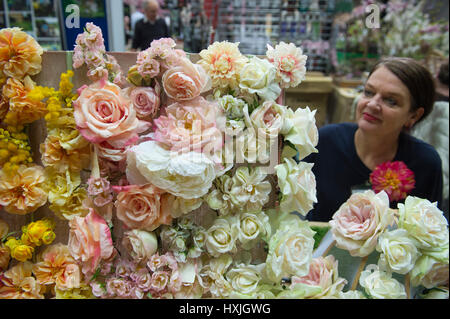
{"x":391,"y":102}
{"x":368,"y":92}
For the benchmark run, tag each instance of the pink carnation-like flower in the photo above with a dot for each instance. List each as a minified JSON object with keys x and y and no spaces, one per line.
{"x":147,"y":66}
{"x":185,"y":80}
{"x":395,"y":178}
{"x":190,"y":125}
{"x":290,"y":62}
{"x":90,"y":241}
{"x":103,"y":113}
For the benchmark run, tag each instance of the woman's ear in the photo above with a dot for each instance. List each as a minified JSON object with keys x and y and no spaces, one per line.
{"x":415,"y":116}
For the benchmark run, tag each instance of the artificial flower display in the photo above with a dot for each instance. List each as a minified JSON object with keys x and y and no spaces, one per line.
{"x":177,"y":179}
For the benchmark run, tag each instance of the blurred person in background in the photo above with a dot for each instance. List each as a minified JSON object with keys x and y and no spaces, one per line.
{"x":151,"y":27}
{"x":434,"y":129}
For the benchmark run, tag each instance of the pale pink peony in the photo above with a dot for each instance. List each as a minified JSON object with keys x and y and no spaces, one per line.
{"x":190,"y":126}
{"x":359,"y":222}
{"x":138,"y":207}
{"x":185,"y":81}
{"x":146,"y":100}
{"x":103,"y":113}
{"x":90,"y":241}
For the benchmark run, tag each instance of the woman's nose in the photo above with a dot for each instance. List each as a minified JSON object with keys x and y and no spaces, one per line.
{"x":375,"y":102}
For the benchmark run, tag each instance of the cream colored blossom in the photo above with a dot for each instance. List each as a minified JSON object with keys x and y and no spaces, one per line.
{"x":18,"y":283}
{"x":290,"y":249}
{"x":253,"y":226}
{"x":380,"y":285}
{"x":258,"y":76}
{"x":297,"y":185}
{"x":141,"y":244}
{"x":398,"y":251}
{"x":212,"y":276}
{"x":221,"y":236}
{"x":429,"y":272}
{"x":424,"y":222}
{"x":244,"y":279}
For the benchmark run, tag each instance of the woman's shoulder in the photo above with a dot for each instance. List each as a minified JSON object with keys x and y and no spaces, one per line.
{"x":421,"y":151}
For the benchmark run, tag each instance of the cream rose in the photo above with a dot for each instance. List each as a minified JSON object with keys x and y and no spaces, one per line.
{"x":424,"y":222}
{"x":221,"y":236}
{"x":103,"y":113}
{"x":380,"y":285}
{"x":301,"y":130}
{"x":297,"y":185}
{"x":185,"y":80}
{"x":268,"y":119}
{"x":258,"y":77}
{"x":146,"y":100}
{"x":140,"y":244}
{"x":244,"y":279}
{"x":359,"y":222}
{"x":211,"y":276}
{"x":139,"y":207}
{"x":188,"y":175}
{"x":290,"y":249}
{"x":398,"y":251}
{"x":253,"y":226}
{"x":430,"y":272}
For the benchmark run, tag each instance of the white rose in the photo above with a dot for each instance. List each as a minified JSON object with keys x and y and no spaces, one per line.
{"x":268,"y":118}
{"x":253,"y":226}
{"x":253,"y":147}
{"x":429,"y":272}
{"x":290,"y":249}
{"x":188,"y":175}
{"x":221,"y":236}
{"x":380,"y":284}
{"x":398,"y":251}
{"x":302,"y":130}
{"x":244,"y":279}
{"x":141,"y":244}
{"x":258,"y":77}
{"x":424,"y":222}
{"x":297,"y":184}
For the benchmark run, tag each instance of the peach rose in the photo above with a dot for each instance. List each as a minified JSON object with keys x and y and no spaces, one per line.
{"x":359,"y":222}
{"x":146,"y":100}
{"x":102,"y":112}
{"x":185,"y":81}
{"x":138,"y":207}
{"x":90,"y":241}
{"x":191,"y":126}
{"x":18,"y":283}
{"x":23,"y":192}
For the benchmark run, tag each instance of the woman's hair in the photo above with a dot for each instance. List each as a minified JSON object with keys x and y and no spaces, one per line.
{"x":416,"y":78}
{"x":443,"y":73}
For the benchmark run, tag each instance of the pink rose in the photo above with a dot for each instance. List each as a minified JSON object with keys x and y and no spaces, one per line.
{"x":190,"y":126}
{"x":323,"y":273}
{"x":119,"y":287}
{"x":359,"y":222}
{"x":103,"y":113}
{"x":185,"y":81}
{"x":146,"y":100}
{"x":90,"y":241}
{"x":138,"y":207}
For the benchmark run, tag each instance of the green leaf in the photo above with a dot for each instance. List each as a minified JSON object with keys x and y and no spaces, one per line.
{"x":320,"y":233}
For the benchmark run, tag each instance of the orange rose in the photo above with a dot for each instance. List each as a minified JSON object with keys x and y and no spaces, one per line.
{"x":20,"y":54}
{"x":138,"y":207}
{"x":23,"y":192}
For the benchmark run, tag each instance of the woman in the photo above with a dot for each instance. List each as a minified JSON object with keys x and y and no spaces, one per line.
{"x":399,"y":92}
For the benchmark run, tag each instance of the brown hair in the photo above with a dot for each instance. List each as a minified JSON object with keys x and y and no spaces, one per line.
{"x":416,"y":78}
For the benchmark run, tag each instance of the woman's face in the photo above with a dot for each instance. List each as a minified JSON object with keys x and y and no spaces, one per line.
{"x":384,"y":107}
